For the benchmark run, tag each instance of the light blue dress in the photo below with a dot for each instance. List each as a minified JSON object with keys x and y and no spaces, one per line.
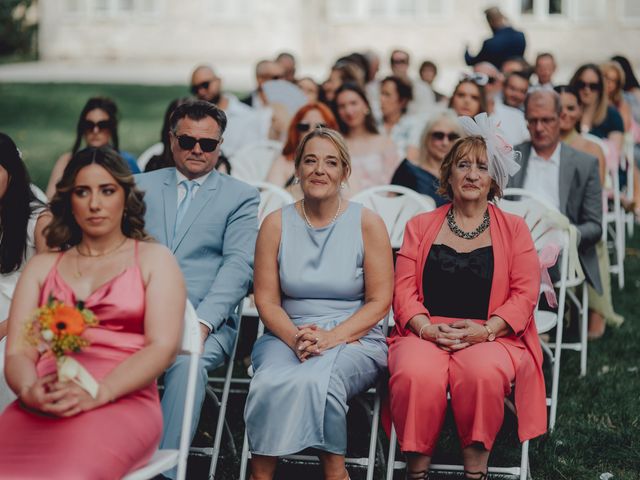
{"x":291,"y":405}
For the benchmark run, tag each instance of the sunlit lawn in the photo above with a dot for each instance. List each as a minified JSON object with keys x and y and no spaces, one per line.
{"x":598,"y":427}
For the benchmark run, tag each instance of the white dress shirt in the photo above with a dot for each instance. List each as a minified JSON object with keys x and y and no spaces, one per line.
{"x":511,"y":122}
{"x":543,"y":176}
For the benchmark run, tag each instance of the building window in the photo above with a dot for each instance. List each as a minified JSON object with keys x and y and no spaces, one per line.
{"x":630,"y":10}
{"x":363,"y":10}
{"x":225,"y":10}
{"x":543,"y":8}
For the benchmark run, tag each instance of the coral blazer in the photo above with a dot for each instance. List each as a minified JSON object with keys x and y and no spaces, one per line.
{"x":514,"y":293}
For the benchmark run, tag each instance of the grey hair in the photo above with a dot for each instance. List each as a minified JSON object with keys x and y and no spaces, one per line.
{"x":536,"y":93}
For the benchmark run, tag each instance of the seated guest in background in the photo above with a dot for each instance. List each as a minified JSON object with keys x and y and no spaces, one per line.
{"x":288,"y":64}
{"x":544,"y":69}
{"x":428,"y":72}
{"x":165,"y":159}
{"x":244,"y":125}
{"x":341,"y":72}
{"x":395,"y":95}
{"x":309,"y":117}
{"x":266,"y":70}
{"x":421,"y":171}
{"x":601,"y":309}
{"x":598,"y":117}
{"x":372,"y":86}
{"x":97,"y":126}
{"x":613,"y":77}
{"x":423,"y":97}
{"x":374,"y":157}
{"x":505,"y":43}
{"x":564,"y":177}
{"x":516,"y":64}
{"x":468,"y":98}
{"x":21,"y":223}
{"x":495,"y":79}
{"x":135,"y":289}
{"x":516,"y":86}
{"x":323,"y":280}
{"x":476,"y":348}
{"x":310,"y":88}
{"x":209,"y":221}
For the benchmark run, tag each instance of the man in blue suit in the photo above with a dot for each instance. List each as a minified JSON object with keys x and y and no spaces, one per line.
{"x":209,"y":221}
{"x":506,"y":42}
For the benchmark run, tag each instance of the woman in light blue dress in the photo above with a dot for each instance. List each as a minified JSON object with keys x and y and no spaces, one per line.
{"x":323,"y":281}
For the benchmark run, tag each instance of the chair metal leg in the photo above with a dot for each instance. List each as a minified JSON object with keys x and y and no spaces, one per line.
{"x":391,"y":461}
{"x":584,"y":330}
{"x":187,"y":416}
{"x":244,"y":459}
{"x":373,"y":440}
{"x":524,"y":461}
{"x":222,"y":411}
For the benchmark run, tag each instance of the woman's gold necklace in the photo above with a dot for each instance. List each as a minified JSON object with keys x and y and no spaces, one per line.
{"x":103,"y":254}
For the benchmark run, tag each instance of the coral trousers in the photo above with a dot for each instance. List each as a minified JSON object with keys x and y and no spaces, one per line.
{"x":478,"y":379}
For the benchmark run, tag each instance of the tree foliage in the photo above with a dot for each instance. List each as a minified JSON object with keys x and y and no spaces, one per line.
{"x":16,"y":30}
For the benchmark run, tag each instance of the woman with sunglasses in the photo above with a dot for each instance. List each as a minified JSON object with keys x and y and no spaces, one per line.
{"x":420,"y":171}
{"x":601,"y":309}
{"x":598,"y":117}
{"x":21,"y":224}
{"x":374,"y":156}
{"x":98,"y":126}
{"x":309,"y":117}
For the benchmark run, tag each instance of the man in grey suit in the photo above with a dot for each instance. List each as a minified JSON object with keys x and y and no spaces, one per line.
{"x":209,"y":221}
{"x":565,"y":177}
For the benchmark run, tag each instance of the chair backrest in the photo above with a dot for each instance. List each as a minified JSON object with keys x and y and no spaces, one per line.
{"x":191,"y":341}
{"x":251,"y":163}
{"x":272,"y":198}
{"x":396,"y":205}
{"x":143,"y":159}
{"x":547,"y":225}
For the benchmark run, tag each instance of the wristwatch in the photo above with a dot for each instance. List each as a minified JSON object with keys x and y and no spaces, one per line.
{"x":492,"y":335}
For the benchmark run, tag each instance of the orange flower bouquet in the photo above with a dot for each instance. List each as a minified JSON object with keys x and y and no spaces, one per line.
{"x":58,"y":328}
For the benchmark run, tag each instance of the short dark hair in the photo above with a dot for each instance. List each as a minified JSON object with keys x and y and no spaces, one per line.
{"x":428,"y":64}
{"x":545,"y":54}
{"x":404,"y":89}
{"x":285,"y":55}
{"x":522,"y":75}
{"x":197,"y":110}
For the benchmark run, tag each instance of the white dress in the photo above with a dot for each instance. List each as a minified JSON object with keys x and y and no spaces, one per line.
{"x":7,"y":286}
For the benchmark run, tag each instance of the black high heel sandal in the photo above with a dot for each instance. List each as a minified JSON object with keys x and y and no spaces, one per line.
{"x":476,"y":475}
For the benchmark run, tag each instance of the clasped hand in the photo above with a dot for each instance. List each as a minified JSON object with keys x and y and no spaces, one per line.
{"x":60,"y":399}
{"x":455,"y":336}
{"x":312,"y":340}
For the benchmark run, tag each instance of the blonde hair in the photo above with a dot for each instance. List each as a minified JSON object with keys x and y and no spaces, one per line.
{"x":616,"y":96}
{"x":448,"y":116}
{"x":332,"y":136}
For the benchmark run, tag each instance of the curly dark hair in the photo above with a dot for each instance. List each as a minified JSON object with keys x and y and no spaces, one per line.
{"x":63,"y":232}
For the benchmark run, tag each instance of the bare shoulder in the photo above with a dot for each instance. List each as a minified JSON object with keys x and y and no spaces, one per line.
{"x":373,"y":227}
{"x":63,"y":160}
{"x":152,"y":251}
{"x":272,"y":223}
{"x":40,"y":264}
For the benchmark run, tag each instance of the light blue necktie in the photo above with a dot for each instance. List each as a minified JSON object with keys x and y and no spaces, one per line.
{"x":189,"y":185}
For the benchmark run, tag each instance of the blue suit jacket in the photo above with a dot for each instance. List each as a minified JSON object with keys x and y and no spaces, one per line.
{"x":214,"y":244}
{"x":505,"y":43}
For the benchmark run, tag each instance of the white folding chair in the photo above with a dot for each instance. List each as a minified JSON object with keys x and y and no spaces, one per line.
{"x":251,"y":163}
{"x":574,"y":275}
{"x":368,"y":462}
{"x":396,"y":205}
{"x":164,"y":460}
{"x":629,"y":154}
{"x":613,"y":220}
{"x":548,"y":227}
{"x":153,"y":150}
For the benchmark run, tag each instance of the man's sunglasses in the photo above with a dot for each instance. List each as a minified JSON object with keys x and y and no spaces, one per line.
{"x":89,"y":126}
{"x":594,"y":87}
{"x":305,"y":127}
{"x":207,"y":145}
{"x":399,"y":61}
{"x":478,"y":78}
{"x":440,"y":136}
{"x":195,"y":88}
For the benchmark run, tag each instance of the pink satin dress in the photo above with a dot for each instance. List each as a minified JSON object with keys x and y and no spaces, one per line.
{"x":105,"y":443}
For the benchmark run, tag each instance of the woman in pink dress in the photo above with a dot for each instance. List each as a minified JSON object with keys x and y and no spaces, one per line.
{"x":55,"y":429}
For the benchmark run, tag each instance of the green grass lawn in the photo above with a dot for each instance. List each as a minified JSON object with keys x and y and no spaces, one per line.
{"x":598,"y":426}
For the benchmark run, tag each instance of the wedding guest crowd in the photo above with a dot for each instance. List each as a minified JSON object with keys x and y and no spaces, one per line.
{"x":134,"y":247}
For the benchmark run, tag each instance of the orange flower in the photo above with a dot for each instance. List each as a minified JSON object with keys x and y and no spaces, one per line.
{"x":67,"y":320}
